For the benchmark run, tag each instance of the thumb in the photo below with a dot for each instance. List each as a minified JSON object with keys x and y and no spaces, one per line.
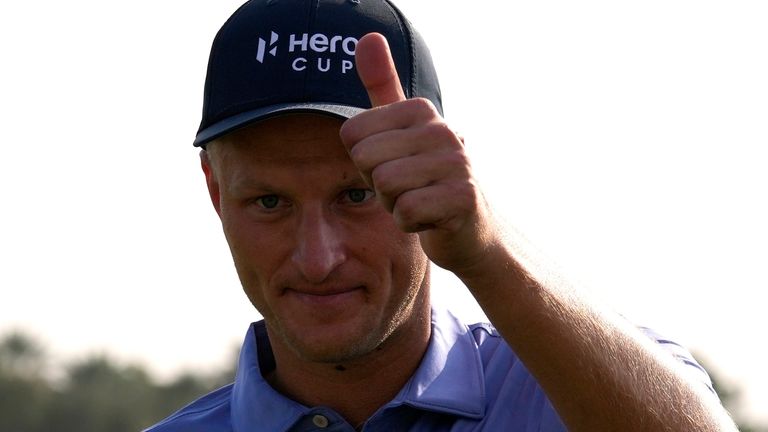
{"x":377,"y":70}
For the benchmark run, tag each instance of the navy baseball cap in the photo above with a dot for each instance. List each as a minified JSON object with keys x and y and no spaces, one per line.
{"x":285,"y":56}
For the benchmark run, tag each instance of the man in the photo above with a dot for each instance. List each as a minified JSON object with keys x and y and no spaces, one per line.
{"x":333,"y":211}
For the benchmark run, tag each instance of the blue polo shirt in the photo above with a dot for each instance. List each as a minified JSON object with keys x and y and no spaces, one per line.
{"x":468,"y":380}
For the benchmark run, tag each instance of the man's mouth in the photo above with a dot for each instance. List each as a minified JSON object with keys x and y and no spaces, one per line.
{"x":326,"y":296}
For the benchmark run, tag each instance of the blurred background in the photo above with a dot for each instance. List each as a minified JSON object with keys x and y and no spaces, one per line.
{"x":624,"y":139}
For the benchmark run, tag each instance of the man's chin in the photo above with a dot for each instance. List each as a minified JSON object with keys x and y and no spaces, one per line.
{"x":338,"y":347}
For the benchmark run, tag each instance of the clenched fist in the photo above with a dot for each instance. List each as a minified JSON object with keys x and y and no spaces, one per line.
{"x":417,"y":165}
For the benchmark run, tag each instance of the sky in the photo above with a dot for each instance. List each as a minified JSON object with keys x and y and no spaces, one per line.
{"x":625,"y":139}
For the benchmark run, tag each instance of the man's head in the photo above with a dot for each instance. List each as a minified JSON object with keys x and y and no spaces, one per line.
{"x":317,"y":255}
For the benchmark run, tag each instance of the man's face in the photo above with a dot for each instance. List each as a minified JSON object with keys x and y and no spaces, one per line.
{"x":317,"y":255}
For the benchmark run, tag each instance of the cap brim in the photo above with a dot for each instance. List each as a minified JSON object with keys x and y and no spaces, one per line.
{"x":243,"y":119}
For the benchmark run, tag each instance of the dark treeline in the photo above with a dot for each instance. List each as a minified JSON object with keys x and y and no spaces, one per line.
{"x":97,"y":394}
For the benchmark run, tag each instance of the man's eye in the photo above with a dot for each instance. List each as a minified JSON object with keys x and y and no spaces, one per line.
{"x":359,"y":195}
{"x":268,"y":201}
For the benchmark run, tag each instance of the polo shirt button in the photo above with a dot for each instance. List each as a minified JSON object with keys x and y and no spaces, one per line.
{"x":320,"y":421}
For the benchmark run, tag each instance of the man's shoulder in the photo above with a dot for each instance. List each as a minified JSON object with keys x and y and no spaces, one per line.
{"x":210,"y":413}
{"x":493,"y":347}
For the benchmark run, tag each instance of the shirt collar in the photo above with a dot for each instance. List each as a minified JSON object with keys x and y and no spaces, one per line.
{"x":449,"y":380}
{"x":256,"y":406}
{"x":450,"y":377}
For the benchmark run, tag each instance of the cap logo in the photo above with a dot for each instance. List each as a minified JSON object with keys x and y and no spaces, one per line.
{"x":317,"y":43}
{"x":263,"y":47}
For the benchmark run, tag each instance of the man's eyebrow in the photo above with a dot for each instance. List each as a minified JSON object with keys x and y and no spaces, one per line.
{"x":246,"y":183}
{"x":353,"y":182}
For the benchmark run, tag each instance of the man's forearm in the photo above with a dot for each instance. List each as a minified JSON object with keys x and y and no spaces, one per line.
{"x":599,"y":371}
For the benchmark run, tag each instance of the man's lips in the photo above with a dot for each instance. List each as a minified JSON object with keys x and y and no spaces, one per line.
{"x":324,"y":296}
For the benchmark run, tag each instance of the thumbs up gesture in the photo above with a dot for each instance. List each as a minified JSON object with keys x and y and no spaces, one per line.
{"x":417,"y":165}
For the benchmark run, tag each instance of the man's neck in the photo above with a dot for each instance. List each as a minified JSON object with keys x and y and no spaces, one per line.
{"x":358,"y":387}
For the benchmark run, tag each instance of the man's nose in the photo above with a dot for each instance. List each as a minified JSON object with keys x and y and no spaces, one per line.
{"x":320,"y":246}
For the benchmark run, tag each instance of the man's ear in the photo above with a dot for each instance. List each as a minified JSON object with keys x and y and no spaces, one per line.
{"x":210,"y":181}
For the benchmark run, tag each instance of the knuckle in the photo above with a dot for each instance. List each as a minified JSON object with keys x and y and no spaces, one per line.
{"x":406,"y":210}
{"x":383,"y":180}
{"x":357,"y":154}
{"x":466,"y":197}
{"x":423,"y":104}
{"x":437,"y":131}
{"x":441,"y":130}
{"x":363,"y":155}
{"x":462,"y":160}
{"x":422,"y":108}
{"x":348,"y":133}
{"x":457,"y":163}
